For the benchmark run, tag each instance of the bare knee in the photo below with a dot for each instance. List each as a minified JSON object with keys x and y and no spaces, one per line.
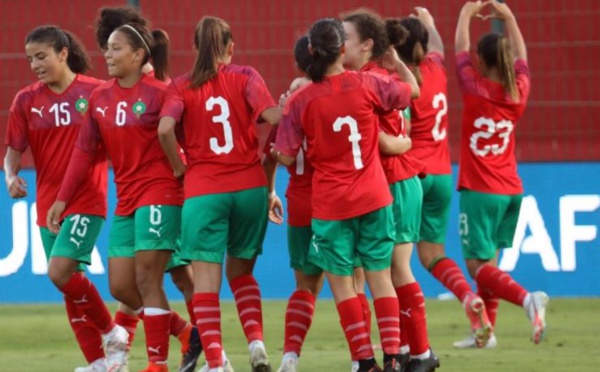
{"x":309,"y":283}
{"x":60,"y":271}
{"x":237,"y":267}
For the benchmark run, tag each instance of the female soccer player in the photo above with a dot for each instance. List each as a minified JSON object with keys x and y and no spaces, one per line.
{"x":495,"y":95}
{"x":109,"y":20}
{"x":368,"y":38}
{"x":225,"y":209}
{"x":47,"y":116}
{"x":124,"y":117}
{"x":423,"y":51}
{"x":351,"y":202}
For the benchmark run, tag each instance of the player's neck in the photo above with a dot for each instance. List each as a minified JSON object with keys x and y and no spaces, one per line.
{"x":130,"y":80}
{"x":63,"y":83}
{"x":336,"y":68}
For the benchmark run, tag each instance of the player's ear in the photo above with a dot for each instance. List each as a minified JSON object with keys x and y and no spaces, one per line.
{"x":63,"y":55}
{"x":230,"y":49}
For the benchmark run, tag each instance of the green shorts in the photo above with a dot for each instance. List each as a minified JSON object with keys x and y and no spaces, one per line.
{"x":299,"y":239}
{"x":369,"y":237}
{"x":76,"y":238}
{"x":234,"y":223}
{"x":149,"y":228}
{"x":437,"y":196}
{"x":408,"y":199}
{"x":487,"y":222}
{"x":176,"y":260}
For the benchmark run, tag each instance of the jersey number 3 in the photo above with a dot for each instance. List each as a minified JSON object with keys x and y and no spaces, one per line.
{"x":223,"y":119}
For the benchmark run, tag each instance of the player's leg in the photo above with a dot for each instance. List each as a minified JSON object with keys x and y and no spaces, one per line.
{"x":248,"y":225}
{"x":375,"y":249}
{"x":437,"y":191}
{"x":301,"y":304}
{"x":87,"y":335}
{"x":408,"y":196}
{"x":205,"y":226}
{"x":333,"y":250}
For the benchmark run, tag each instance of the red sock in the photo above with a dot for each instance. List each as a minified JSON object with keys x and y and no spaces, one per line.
{"x":247,"y":300}
{"x":452,"y":277}
{"x":387,"y":312}
{"x":403,"y":333}
{"x":364,"y":302}
{"x":353,"y":323}
{"x":177,"y":325}
{"x":190,"y":308}
{"x":491,"y":304}
{"x":157,"y":336}
{"x":414,"y":318}
{"x":208,"y":321}
{"x":501,"y":284}
{"x":129,"y":323}
{"x":88,"y":337}
{"x":84,"y":294}
{"x":298,"y":318}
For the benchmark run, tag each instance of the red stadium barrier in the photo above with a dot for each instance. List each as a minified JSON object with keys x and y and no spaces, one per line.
{"x":563,"y":43}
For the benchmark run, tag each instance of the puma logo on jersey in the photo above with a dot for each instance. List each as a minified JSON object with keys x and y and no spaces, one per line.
{"x":157,"y":232}
{"x":38,"y":111}
{"x":153,"y":350}
{"x":82,"y":301}
{"x":79,"y":320}
{"x":102,"y":111}
{"x":406,"y":312}
{"x":77,"y":243}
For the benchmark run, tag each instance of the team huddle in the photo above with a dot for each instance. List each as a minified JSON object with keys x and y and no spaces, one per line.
{"x":363,"y":132}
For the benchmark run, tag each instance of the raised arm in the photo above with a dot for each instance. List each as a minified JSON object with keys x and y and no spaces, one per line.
{"x":435,"y":43}
{"x":503,"y":12}
{"x":392,"y":62}
{"x":462,"y":41}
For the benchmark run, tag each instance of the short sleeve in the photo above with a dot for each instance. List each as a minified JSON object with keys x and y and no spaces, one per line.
{"x":173,"y":105}
{"x":523,"y":76}
{"x":466,"y":73}
{"x":436,"y":58}
{"x":257,"y":94}
{"x":290,"y":136}
{"x":392,"y":93}
{"x":16,"y":131}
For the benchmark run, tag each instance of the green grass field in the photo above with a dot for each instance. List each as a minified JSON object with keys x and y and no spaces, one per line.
{"x":38,"y":338}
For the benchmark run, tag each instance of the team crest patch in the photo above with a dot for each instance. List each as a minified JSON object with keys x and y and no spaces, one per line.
{"x":82,"y":105}
{"x":139,"y":108}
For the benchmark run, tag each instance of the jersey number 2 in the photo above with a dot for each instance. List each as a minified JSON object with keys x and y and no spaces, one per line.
{"x":223,"y":119}
{"x":439,"y":99}
{"x":354,"y":137}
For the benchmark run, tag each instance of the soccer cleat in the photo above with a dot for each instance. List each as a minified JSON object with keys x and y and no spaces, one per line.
{"x":190,"y":352}
{"x":97,"y":366}
{"x":394,"y":365}
{"x":226,"y":367}
{"x":404,"y":360}
{"x":424,"y":365}
{"x":116,"y":350}
{"x":481,"y":327}
{"x":536,"y":311}
{"x":153,"y":367}
{"x":375,"y":368}
{"x":259,"y":360}
{"x":469,"y":343}
{"x":288,"y":366}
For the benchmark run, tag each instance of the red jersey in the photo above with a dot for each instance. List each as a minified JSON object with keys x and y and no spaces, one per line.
{"x":49,"y":123}
{"x":218,"y":121}
{"x":126,"y":121}
{"x":337,"y":118}
{"x":487,"y":152}
{"x":299,"y":190}
{"x":398,"y":167}
{"x":429,"y":117}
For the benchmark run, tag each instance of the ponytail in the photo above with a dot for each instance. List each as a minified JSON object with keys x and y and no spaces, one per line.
{"x":412,"y":48}
{"x":211,"y":39}
{"x":326,"y":39}
{"x":494,"y":49}
{"x":506,"y":68}
{"x":160,"y":54}
{"x":77,"y":59}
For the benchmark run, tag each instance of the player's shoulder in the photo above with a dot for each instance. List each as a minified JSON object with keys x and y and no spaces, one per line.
{"x":240,"y":70}
{"x":88,"y":80}
{"x":103,"y":89}
{"x":27,"y":94}
{"x":153,"y":83}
